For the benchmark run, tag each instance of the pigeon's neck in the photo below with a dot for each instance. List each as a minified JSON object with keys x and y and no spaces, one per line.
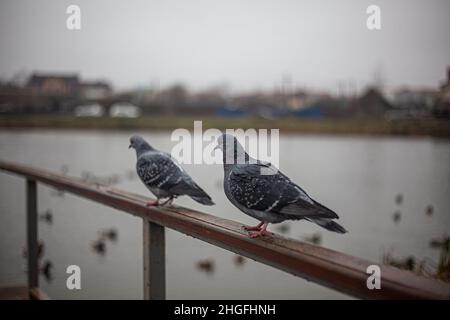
{"x":143,"y":149}
{"x":233,"y":157}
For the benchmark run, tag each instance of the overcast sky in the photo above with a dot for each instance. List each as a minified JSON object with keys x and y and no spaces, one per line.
{"x":247,"y":44}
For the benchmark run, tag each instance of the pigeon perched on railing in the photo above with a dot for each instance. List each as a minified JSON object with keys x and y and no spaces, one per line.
{"x":261,"y":191}
{"x":163,"y":176}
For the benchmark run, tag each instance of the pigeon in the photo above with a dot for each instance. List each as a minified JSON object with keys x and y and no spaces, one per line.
{"x":163,"y":176}
{"x":263,"y":192}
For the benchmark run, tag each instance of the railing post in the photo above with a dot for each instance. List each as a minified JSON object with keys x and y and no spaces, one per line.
{"x":154,"y":261}
{"x":32,"y":236}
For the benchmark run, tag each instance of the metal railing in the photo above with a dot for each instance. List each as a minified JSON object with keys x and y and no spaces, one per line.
{"x":326,"y":267}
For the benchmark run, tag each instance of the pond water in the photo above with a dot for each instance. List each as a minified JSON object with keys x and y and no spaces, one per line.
{"x":368,"y":181}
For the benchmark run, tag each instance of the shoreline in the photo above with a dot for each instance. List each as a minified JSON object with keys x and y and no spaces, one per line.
{"x":436,"y":128}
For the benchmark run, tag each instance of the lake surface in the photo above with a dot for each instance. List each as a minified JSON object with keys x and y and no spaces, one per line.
{"x":358,"y":177}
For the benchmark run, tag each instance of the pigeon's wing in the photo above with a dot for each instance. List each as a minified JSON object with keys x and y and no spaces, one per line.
{"x":160,"y":170}
{"x":157,"y":170}
{"x":273,"y":193}
{"x":187,"y":186}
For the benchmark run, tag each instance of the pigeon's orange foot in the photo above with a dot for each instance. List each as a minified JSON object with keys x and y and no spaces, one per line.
{"x":253,"y":228}
{"x":260,"y":233}
{"x":152,"y":203}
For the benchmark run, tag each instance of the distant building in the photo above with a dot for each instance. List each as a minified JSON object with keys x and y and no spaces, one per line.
{"x":124,"y":110}
{"x":411,"y":102}
{"x":89,"y":110}
{"x":442,"y":104}
{"x":371,"y":104}
{"x":95,"y":90}
{"x":54,"y":84}
{"x":297,"y":100}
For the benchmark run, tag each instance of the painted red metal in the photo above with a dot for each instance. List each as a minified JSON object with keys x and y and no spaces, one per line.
{"x":329,"y":268}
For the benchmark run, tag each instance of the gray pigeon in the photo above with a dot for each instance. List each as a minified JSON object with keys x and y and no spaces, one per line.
{"x":163,"y":176}
{"x":261,"y":191}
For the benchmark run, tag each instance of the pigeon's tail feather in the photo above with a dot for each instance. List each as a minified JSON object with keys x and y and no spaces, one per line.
{"x":199,"y":195}
{"x":189,"y":188}
{"x":301,"y":209}
{"x":329,"y":225}
{"x":206,"y":200}
{"x":325,"y":211}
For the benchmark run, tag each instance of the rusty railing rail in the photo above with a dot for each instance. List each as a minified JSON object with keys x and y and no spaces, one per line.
{"x":326,"y":267}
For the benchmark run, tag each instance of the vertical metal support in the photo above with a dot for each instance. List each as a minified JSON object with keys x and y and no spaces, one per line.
{"x":154,"y":261}
{"x":32,"y":235}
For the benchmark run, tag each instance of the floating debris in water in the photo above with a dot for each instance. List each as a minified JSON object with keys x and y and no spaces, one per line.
{"x":399,"y":198}
{"x":207,"y":265}
{"x":47,"y":216}
{"x":283,"y":228}
{"x":315,"y":238}
{"x":41,"y":250}
{"x":47,"y":266}
{"x":407,"y":263}
{"x":435,"y":244}
{"x":410,"y":262}
{"x":443,"y":268}
{"x":426,"y":266}
{"x":429,"y":210}
{"x":47,"y":270}
{"x":99,"y":247}
{"x":444,"y":243}
{"x":397,"y":216}
{"x":239,"y":260}
{"x":110,"y":234}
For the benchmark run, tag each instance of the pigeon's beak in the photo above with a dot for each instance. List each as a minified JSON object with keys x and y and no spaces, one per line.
{"x":129,"y":146}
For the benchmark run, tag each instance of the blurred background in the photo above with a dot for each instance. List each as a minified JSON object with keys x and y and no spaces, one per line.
{"x":364,"y":119}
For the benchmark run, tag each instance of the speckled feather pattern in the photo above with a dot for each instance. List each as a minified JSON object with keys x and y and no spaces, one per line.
{"x":272,"y":197}
{"x":163,"y":176}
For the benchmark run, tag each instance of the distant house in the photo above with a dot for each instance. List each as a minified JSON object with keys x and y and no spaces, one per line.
{"x":124,"y":110}
{"x":411,"y":102}
{"x":95,"y":90}
{"x":54,"y":84}
{"x":89,"y":110}
{"x":442,"y":104}
{"x":414,"y":98}
{"x":371,"y":104}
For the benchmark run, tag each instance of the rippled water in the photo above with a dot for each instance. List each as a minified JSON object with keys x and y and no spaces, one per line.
{"x":359,"y":177}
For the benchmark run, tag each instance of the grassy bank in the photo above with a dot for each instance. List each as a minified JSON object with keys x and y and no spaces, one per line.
{"x":429,"y":127}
